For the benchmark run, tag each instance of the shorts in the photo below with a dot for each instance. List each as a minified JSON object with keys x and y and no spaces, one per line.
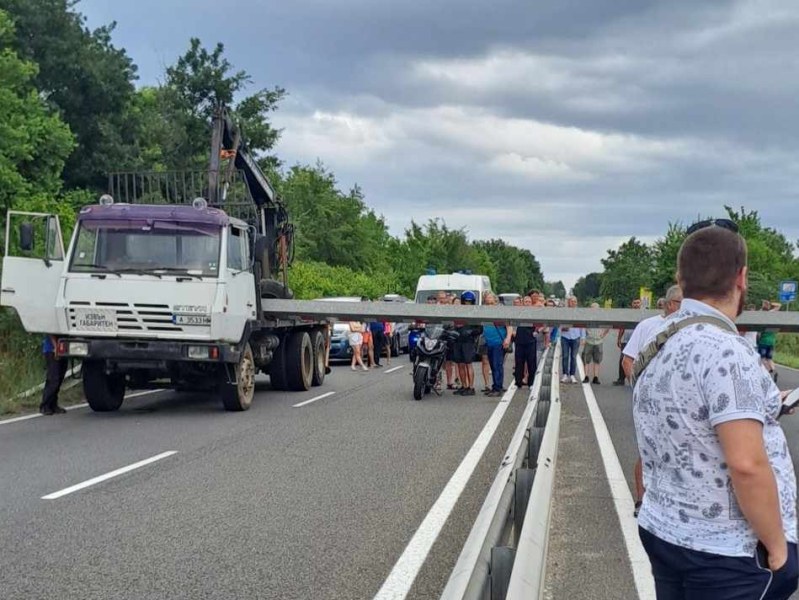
{"x":592,"y":353}
{"x":356,"y":338}
{"x":463,"y":352}
{"x":766,"y":352}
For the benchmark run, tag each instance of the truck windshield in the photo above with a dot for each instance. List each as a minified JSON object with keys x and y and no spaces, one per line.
{"x":138,"y":245}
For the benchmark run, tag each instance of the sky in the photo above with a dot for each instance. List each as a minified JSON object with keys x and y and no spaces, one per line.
{"x":560,"y":126}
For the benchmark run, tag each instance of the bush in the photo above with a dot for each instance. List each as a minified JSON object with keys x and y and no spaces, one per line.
{"x":21,"y":363}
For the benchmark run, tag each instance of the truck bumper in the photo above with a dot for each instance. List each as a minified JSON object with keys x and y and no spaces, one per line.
{"x":147,"y":352}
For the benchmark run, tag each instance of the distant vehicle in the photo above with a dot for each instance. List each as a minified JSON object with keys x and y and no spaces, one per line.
{"x":399,"y":338}
{"x":508,"y":298}
{"x":456,"y":283}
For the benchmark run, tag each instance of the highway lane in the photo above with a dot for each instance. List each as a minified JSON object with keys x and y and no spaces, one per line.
{"x":279,"y":502}
{"x":616,"y":402}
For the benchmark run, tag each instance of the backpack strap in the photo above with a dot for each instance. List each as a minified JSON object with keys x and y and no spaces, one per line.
{"x":652,"y":349}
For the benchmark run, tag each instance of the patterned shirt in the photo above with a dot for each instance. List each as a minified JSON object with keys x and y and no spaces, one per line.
{"x":705,"y":376}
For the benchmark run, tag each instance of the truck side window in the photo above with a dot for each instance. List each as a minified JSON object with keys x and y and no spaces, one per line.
{"x":237,"y":250}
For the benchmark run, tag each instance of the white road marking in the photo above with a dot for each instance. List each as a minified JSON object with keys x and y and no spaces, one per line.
{"x":107,"y":476}
{"x":399,"y":581}
{"x":781,"y":366}
{"x":73,"y":407}
{"x":622,"y":498}
{"x":394,"y":369}
{"x":327,"y":395}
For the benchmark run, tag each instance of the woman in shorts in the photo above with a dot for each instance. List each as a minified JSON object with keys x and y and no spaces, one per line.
{"x":356,"y":343}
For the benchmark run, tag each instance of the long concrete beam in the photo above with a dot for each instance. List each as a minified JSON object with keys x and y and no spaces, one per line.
{"x":512,"y":315}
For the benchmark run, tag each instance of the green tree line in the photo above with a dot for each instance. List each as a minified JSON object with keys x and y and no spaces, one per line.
{"x":635,"y":264}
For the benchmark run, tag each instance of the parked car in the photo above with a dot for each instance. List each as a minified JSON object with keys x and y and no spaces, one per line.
{"x":340,"y":348}
{"x":399,"y":341}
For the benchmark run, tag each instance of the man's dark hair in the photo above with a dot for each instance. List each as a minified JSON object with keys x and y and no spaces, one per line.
{"x":709,"y":261}
{"x":533,"y":291}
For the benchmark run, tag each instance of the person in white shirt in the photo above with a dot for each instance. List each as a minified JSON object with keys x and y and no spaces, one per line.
{"x":718,"y":519}
{"x":643,"y":333}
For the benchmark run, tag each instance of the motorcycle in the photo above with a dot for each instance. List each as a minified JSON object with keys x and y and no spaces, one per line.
{"x":430,"y":354}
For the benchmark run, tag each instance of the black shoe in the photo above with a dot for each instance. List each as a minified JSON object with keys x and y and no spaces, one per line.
{"x":46,"y":410}
{"x":460,"y":392}
{"x":328,"y":370}
{"x":637,"y":509}
{"x":494,"y":394}
{"x":586,"y":380}
{"x":596,"y":381}
{"x":774,"y":374}
{"x":58,"y":410}
{"x":378,"y":365}
{"x":469,"y":392}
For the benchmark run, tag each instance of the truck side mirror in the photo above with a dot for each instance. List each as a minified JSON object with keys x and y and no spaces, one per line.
{"x":26,"y":236}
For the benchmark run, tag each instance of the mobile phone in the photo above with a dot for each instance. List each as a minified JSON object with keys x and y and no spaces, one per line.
{"x":790,"y":402}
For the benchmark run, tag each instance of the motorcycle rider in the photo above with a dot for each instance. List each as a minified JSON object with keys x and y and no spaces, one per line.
{"x":464,"y":348}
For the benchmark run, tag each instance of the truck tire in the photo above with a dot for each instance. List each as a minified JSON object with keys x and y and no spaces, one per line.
{"x":299,"y":361}
{"x":274,"y":289}
{"x":103,"y":392}
{"x":277,"y":368}
{"x":319,"y":351}
{"x":238,"y":396}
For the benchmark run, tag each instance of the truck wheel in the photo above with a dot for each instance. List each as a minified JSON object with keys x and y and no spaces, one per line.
{"x":238,"y":396}
{"x":103,"y":392}
{"x":277,"y":368}
{"x":299,"y":361}
{"x":318,"y":343}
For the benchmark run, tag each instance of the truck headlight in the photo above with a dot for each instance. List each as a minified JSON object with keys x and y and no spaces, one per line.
{"x":79,"y":348}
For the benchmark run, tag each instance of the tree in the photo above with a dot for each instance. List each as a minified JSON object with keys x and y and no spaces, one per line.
{"x":554,"y":288}
{"x":199,"y":81}
{"x":85,"y":79}
{"x":664,"y":259}
{"x":517,"y":269}
{"x":34,"y":143}
{"x":588,"y":287}
{"x":627,"y":269}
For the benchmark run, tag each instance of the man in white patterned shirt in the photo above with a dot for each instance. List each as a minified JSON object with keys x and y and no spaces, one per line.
{"x":718,"y":519}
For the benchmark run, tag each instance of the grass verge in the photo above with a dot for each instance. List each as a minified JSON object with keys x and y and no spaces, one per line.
{"x":789,"y":360}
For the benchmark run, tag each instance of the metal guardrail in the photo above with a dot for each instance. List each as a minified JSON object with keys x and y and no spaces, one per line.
{"x":511,"y":315}
{"x":485,"y":566}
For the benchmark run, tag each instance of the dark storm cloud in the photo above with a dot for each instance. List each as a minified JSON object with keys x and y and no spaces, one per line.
{"x":564,"y":127}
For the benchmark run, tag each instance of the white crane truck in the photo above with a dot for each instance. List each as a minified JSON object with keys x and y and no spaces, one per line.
{"x":164,"y":282}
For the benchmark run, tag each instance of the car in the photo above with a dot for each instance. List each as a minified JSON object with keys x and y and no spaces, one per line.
{"x":508,"y":299}
{"x":340,"y":348}
{"x":399,"y":340}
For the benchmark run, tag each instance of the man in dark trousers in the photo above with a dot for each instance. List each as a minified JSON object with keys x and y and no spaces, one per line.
{"x":378,"y":339}
{"x":56,"y":370}
{"x":525,"y":352}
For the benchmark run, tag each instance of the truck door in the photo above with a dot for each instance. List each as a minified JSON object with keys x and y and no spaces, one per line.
{"x":32,"y":268}
{"x":241,"y":283}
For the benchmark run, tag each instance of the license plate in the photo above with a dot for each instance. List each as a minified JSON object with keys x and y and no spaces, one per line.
{"x":201,"y":320}
{"x":95,"y":319}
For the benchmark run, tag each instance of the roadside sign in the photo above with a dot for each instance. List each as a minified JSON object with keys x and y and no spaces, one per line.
{"x":609,"y":303}
{"x":645,"y":294}
{"x":788,"y":290}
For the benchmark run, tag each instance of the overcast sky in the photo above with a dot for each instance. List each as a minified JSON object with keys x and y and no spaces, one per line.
{"x":561,"y":126}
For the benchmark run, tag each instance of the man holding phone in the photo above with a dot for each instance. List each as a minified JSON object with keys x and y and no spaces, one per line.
{"x":718,"y":519}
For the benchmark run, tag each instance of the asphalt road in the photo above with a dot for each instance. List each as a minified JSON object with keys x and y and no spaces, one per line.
{"x":284,"y":502}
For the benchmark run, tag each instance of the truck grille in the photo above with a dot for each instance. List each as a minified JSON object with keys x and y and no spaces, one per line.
{"x":131,"y":317}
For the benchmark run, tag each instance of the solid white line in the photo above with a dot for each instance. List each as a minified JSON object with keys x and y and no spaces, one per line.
{"x":18,"y":419}
{"x":394,"y":369}
{"x":313,"y":400}
{"x":101,"y":478}
{"x":622,"y":498}
{"x":399,"y":581}
{"x":75,"y":406}
{"x":781,"y":366}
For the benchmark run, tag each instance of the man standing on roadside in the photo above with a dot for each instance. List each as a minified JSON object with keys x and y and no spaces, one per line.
{"x":622,"y":339}
{"x":641,"y":336}
{"x":592,"y":351}
{"x":56,"y":370}
{"x":766,"y":342}
{"x":718,"y":519}
{"x":571,"y":340}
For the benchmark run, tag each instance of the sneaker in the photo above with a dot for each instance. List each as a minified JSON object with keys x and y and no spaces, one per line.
{"x":353,"y":368}
{"x":572,"y":379}
{"x":586,"y":380}
{"x":595,"y":381}
{"x":469,"y":392}
{"x":460,"y":392}
{"x":637,"y":509}
{"x":365,"y":368}
{"x":564,"y":379}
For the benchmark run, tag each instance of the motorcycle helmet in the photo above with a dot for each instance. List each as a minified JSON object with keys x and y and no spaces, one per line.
{"x":468,"y":297}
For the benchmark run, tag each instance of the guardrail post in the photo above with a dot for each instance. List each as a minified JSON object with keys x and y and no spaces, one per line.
{"x":521,"y":496}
